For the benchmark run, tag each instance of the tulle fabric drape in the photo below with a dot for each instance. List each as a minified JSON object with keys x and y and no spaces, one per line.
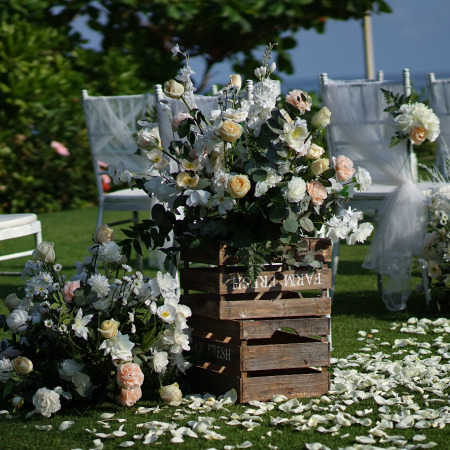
{"x":362,"y":131}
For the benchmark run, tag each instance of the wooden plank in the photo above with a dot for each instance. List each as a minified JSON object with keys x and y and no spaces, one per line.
{"x":282,"y":351}
{"x":234,"y":281}
{"x":208,"y":306}
{"x":261,"y":329}
{"x":220,"y":253}
{"x":293,"y":384}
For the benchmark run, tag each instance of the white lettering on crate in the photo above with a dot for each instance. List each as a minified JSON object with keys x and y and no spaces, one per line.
{"x":218,"y":351}
{"x":291,"y":280}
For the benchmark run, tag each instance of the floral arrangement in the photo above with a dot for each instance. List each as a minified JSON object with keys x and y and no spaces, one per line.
{"x":95,"y":334}
{"x":412,"y":120}
{"x":436,"y":251}
{"x":249,"y":172}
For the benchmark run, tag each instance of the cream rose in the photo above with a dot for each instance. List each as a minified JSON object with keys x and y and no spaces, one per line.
{"x":45,"y":252}
{"x":418,"y":135}
{"x":230,"y":131}
{"x":148,"y":137}
{"x":344,"y":168}
{"x":109,"y":328}
{"x":317,"y":192}
{"x":12,"y":301}
{"x":236,"y":80}
{"x":322,"y":118}
{"x":173,"y":89}
{"x":319,"y":166}
{"x":314,"y":151}
{"x":238,"y":186}
{"x":171,"y":394}
{"x":104,"y":234}
{"x":22,"y":365}
{"x":296,"y":190}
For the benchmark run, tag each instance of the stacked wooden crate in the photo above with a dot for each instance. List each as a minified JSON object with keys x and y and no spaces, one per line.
{"x":264,"y":337}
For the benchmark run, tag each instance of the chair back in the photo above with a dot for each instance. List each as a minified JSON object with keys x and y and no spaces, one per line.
{"x":439,"y":98}
{"x":111,"y":122}
{"x":360,"y":128}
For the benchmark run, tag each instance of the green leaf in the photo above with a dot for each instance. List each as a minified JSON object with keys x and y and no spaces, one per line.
{"x":290,"y":225}
{"x":306,"y":224}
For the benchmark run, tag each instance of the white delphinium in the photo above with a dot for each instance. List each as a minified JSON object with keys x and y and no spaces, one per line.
{"x":109,"y":252}
{"x":363,"y":178}
{"x":99,"y":284}
{"x":159,"y":361}
{"x":164,"y":285}
{"x":272,"y":178}
{"x":181,"y":362}
{"x":346,"y":222}
{"x":164,"y":192}
{"x":197,"y":197}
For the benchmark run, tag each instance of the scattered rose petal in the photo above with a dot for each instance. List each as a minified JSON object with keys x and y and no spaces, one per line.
{"x":126,"y":444}
{"x":65,"y":425}
{"x":43,"y":427}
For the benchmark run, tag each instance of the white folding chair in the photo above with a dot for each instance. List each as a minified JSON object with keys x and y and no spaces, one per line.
{"x":439,"y":99}
{"x":111,"y":122}
{"x":14,"y":226}
{"x":361,"y":130}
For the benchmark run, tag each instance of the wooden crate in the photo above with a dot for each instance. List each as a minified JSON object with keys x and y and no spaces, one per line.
{"x":262,"y":338}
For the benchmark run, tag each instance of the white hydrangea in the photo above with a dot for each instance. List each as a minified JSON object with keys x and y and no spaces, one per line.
{"x":119,"y":347}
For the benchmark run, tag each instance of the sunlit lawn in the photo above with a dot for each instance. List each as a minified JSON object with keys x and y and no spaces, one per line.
{"x":357,"y":306}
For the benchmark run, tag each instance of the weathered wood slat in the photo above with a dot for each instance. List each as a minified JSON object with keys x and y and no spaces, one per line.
{"x":220,"y":253}
{"x":260,"y":329}
{"x":208,"y":306}
{"x":233,"y":281}
{"x":262,"y":387}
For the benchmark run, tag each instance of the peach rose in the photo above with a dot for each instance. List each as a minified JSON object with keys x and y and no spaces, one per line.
{"x":238,"y":186}
{"x":230,"y":131}
{"x":69,"y":290}
{"x":128,"y":397}
{"x":129,"y":376}
{"x":317,"y":192}
{"x":418,"y":135}
{"x":344,"y":168}
{"x":173,"y":89}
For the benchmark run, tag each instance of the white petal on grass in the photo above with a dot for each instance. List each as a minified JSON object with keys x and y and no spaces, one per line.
{"x":419,"y":437}
{"x":365,"y":440}
{"x":43,"y":427}
{"x":98,"y":444}
{"x":422,"y":424}
{"x":126,"y":444}
{"x":177,"y":440}
{"x":245,"y":444}
{"x":65,"y":425}
{"x":316,"y":446}
{"x":106,"y":416}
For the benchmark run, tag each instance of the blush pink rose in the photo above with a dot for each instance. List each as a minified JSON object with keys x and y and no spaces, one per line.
{"x":300,"y":99}
{"x":69,"y":288}
{"x":129,"y":376}
{"x":128,"y":397}
{"x":317,"y":192}
{"x":344,"y":168}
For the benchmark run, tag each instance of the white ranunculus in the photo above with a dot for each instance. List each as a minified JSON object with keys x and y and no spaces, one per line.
{"x":46,"y":402}
{"x":17,"y":320}
{"x":68,"y":368}
{"x":99,"y":284}
{"x":171,"y":394}
{"x":6,"y":370}
{"x":109,"y":252}
{"x":295,"y":190}
{"x":160,"y":361}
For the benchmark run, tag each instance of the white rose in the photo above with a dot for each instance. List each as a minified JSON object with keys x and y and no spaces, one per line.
{"x":319,"y":166}
{"x":46,"y":402}
{"x":171,"y":394}
{"x":237,"y":115}
{"x":363,"y":178}
{"x":314,"y":151}
{"x":295,"y":190}
{"x":45,"y":252}
{"x":17,"y":320}
{"x":68,"y":368}
{"x":104,"y":234}
{"x":173,"y":89}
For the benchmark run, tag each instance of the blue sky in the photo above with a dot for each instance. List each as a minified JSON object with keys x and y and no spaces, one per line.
{"x":416,"y":35}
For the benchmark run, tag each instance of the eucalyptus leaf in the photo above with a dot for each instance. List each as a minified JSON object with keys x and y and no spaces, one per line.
{"x":306,"y":224}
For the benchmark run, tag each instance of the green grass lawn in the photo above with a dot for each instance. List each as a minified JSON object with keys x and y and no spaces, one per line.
{"x":357,"y":307}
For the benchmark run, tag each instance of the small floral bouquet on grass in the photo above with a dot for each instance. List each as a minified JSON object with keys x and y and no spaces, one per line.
{"x":102,"y":334}
{"x":412,"y":120}
{"x":250,"y":172}
{"x":436,"y":251}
